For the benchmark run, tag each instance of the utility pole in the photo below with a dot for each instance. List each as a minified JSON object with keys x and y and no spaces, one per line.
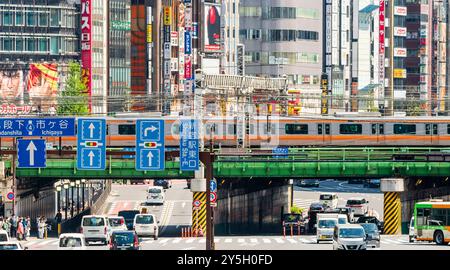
{"x":156,"y":53}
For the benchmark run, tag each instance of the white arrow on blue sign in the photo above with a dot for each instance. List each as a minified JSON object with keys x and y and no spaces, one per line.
{"x":150,"y":154}
{"x":31,"y":153}
{"x":91,"y":144}
{"x":213,"y":186}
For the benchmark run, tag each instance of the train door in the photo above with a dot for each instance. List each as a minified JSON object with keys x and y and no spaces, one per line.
{"x":325,"y":131}
{"x":378,"y":132}
{"x":432,"y":131}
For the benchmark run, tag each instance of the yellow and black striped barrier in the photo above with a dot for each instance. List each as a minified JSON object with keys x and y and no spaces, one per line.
{"x":199,"y":215}
{"x":392,"y":213}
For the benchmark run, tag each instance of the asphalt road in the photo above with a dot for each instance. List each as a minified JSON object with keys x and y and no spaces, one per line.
{"x":247,"y":243}
{"x":303,"y":197}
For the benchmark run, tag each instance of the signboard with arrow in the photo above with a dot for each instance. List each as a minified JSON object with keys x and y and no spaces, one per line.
{"x":91,"y":144}
{"x":150,"y":145}
{"x":31,"y":153}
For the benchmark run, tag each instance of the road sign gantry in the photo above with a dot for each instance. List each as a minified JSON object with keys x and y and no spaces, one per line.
{"x":31,"y":153}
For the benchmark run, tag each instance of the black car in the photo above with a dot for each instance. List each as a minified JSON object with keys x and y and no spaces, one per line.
{"x":355,"y":181}
{"x":314,"y":208}
{"x":128,"y":215}
{"x":372,"y":234}
{"x":162,"y":183}
{"x":309,"y":183}
{"x":371,"y":219}
{"x":373,"y":183}
{"x":124,"y":240}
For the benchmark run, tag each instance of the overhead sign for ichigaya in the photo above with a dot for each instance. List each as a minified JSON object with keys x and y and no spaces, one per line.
{"x":37,"y":127}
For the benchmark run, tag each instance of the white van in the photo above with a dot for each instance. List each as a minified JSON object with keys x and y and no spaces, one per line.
{"x":329,"y":200}
{"x":325,"y":227}
{"x":155,"y":195}
{"x":358,"y":205}
{"x":95,"y":229}
{"x":146,"y":225}
{"x":72,"y":241}
{"x":349,"y":237}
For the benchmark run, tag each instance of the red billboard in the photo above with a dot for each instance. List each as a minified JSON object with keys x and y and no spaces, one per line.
{"x":86,"y":46}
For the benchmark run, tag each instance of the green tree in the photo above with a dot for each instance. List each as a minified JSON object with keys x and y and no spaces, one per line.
{"x":73,"y":99}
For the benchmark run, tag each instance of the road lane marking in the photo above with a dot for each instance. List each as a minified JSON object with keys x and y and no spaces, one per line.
{"x":164,"y":240}
{"x":292,"y":241}
{"x":266,"y":241}
{"x":216,"y":240}
{"x":240,"y":240}
{"x":228,"y":240}
{"x":203,"y":240}
{"x":183,"y":204}
{"x":190,"y":241}
{"x":45,"y":242}
{"x":279,"y":241}
{"x":253,"y":240}
{"x":176,"y":241}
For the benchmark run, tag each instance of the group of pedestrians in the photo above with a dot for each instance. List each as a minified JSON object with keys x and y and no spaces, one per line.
{"x":16,"y":227}
{"x":20,"y":227}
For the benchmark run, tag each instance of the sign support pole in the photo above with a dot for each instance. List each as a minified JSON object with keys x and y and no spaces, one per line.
{"x":14,"y":177}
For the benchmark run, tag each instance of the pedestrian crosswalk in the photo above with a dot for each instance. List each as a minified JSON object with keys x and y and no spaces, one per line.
{"x":304,"y":203}
{"x":178,"y":242}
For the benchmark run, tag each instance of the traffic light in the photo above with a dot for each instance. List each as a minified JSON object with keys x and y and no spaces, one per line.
{"x":150,"y":145}
{"x":91,"y":144}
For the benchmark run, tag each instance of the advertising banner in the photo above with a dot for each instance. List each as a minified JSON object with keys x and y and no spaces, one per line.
{"x":400,"y":11}
{"x":86,"y":47}
{"x":400,"y":73}
{"x":381,"y":43}
{"x":188,"y":68}
{"x":212,"y":38}
{"x":400,"y":52}
{"x":167,"y":15}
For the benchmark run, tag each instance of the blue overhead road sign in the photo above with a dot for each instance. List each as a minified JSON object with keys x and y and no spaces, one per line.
{"x":31,"y":153}
{"x":189,"y":145}
{"x":213,"y":185}
{"x":37,"y":127}
{"x":91,"y":144}
{"x":150,"y":142}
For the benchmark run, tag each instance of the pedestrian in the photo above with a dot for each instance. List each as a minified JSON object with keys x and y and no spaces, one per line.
{"x":41,"y":227}
{"x":13,"y":228}
{"x":25,"y":228}
{"x":20,"y":229}
{"x":28,"y":220}
{"x":1,"y":222}
{"x":6,"y":226}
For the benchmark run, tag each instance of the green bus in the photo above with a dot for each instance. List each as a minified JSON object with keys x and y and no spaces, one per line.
{"x":431,"y":222}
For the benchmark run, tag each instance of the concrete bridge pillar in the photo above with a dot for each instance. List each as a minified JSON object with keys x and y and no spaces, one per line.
{"x":391,"y":187}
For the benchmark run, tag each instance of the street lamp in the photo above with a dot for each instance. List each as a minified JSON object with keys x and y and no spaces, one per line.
{"x":77,"y":182}
{"x":66,"y":187}
{"x":58,"y":198}
{"x":72,"y":185}
{"x":83,"y":181}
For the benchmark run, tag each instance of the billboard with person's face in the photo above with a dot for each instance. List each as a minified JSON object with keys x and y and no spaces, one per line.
{"x":11,"y":86}
{"x":42,"y":87}
{"x":212,"y":38}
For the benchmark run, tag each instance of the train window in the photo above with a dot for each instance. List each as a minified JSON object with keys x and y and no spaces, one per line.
{"x":435,"y":129}
{"x":404,"y":129}
{"x":127,"y":129}
{"x":232,"y":129}
{"x":381,"y":128}
{"x":448,"y":129}
{"x":320,"y":129}
{"x":350,"y":129}
{"x":327,"y":129}
{"x":296,"y":129}
{"x":427,"y":129}
{"x":374,"y":128}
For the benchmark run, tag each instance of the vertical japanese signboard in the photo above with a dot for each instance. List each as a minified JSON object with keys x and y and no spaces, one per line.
{"x":381,"y":42}
{"x":167,"y":57}
{"x":189,"y":145}
{"x":86,"y":46}
{"x":149,"y":49}
{"x":324,"y":87}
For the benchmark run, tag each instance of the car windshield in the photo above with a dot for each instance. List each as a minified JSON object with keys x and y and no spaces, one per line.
{"x":354,"y":202}
{"x":3,"y":237}
{"x":144,"y":219}
{"x":327,"y":223}
{"x":70,"y":242}
{"x":351,"y":233}
{"x":326,"y":197}
{"x":154,"y":190}
{"x":342,"y":220}
{"x":369,"y":227}
{"x":94,"y":221}
{"x":8,"y":247}
{"x":316,"y":206}
{"x":123,"y":238}
{"x":128,"y":214}
{"x":115,"y":222}
{"x":291,"y":218}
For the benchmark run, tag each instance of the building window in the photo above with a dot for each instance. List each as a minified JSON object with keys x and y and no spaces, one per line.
{"x":31,"y":45}
{"x":19,"y":44}
{"x":31,"y":18}
{"x":43,"y":19}
{"x":54,"y":45}
{"x":20,"y":20}
{"x":54,"y":18}
{"x":7,"y":44}
{"x":43,"y":45}
{"x":7,"y":18}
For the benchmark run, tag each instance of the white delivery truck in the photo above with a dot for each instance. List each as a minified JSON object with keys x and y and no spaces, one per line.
{"x":325,"y":226}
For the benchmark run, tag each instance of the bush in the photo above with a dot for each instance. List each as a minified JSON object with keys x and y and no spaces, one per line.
{"x":296,"y":210}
